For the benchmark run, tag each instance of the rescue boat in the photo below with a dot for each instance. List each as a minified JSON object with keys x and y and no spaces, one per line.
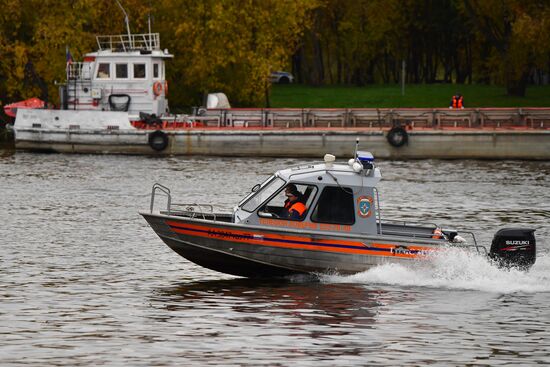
{"x":341,"y":230}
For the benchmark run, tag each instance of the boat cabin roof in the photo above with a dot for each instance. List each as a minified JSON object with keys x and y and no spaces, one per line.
{"x":337,"y":173}
{"x":133,"y":45}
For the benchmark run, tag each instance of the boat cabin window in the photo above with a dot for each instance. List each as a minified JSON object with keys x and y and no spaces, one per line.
{"x":139,"y":71}
{"x":103,"y":71}
{"x":255,"y":189}
{"x":156,"y":71}
{"x":121,"y":71}
{"x":264,"y":193}
{"x":291,"y":203}
{"x":335,"y":206}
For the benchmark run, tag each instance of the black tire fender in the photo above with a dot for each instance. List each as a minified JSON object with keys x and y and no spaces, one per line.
{"x":158,"y":140}
{"x":397,"y":137}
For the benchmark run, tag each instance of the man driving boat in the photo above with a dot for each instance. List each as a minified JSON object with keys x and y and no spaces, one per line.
{"x":294,"y":208}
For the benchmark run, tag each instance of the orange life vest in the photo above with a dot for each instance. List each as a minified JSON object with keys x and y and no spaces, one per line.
{"x":297,"y":206}
{"x":458,"y":101}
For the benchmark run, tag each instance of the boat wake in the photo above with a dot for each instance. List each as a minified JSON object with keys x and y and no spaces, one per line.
{"x":456,"y":269}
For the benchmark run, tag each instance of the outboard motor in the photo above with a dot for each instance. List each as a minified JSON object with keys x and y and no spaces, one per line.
{"x":514,"y":248}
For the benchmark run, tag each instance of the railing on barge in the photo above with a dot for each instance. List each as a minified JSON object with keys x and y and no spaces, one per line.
{"x":497,"y":118}
{"x":125,"y":43}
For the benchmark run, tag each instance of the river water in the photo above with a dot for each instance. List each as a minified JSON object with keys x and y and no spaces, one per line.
{"x":84,"y":281}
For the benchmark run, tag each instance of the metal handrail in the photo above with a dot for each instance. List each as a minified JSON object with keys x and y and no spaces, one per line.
{"x":189,"y":208}
{"x":407,"y":233}
{"x":414,"y":235}
{"x":165,"y":190}
{"x":146,"y":41}
{"x":79,"y":71}
{"x":405,"y":223}
{"x":382,"y":118}
{"x":477,"y":247}
{"x":378,"y":210}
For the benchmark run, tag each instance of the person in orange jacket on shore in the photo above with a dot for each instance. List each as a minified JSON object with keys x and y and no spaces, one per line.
{"x":457,"y":101}
{"x":294,"y":208}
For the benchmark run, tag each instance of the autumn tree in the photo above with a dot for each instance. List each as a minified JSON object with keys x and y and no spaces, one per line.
{"x":229,"y":46}
{"x":35,"y":34}
{"x":16,"y":32}
{"x":232,"y":46}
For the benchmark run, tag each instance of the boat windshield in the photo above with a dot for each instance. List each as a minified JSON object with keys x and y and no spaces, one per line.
{"x":255,"y":199}
{"x":255,"y":189}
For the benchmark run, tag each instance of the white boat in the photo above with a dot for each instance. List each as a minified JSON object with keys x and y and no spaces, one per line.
{"x":114,"y":101}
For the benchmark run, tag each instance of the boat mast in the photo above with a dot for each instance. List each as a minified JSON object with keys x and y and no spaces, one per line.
{"x":127,"y":21}
{"x":149,"y":18}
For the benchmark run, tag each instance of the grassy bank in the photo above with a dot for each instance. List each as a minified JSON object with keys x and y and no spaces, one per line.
{"x":434,"y":95}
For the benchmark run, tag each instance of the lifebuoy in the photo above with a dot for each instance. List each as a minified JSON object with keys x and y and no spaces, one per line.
{"x":157,"y":88}
{"x":397,"y":137}
{"x":158,"y":140}
{"x":166,"y":87}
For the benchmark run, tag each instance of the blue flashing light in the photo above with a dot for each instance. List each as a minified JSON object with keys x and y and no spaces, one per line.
{"x":365,"y":156}
{"x":366,"y":159}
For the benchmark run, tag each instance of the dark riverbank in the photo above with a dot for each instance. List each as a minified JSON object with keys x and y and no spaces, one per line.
{"x":7,"y":142}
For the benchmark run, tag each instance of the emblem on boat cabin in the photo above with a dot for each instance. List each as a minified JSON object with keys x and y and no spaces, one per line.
{"x":364,"y":205}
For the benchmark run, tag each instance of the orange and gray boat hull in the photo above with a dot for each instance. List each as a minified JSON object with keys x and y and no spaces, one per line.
{"x":258,"y":251}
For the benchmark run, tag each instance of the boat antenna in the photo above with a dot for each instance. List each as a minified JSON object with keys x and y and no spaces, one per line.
{"x":356,"y":148}
{"x":127,"y":21}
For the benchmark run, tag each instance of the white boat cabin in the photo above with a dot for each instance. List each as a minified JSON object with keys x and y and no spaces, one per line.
{"x":126,"y":73}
